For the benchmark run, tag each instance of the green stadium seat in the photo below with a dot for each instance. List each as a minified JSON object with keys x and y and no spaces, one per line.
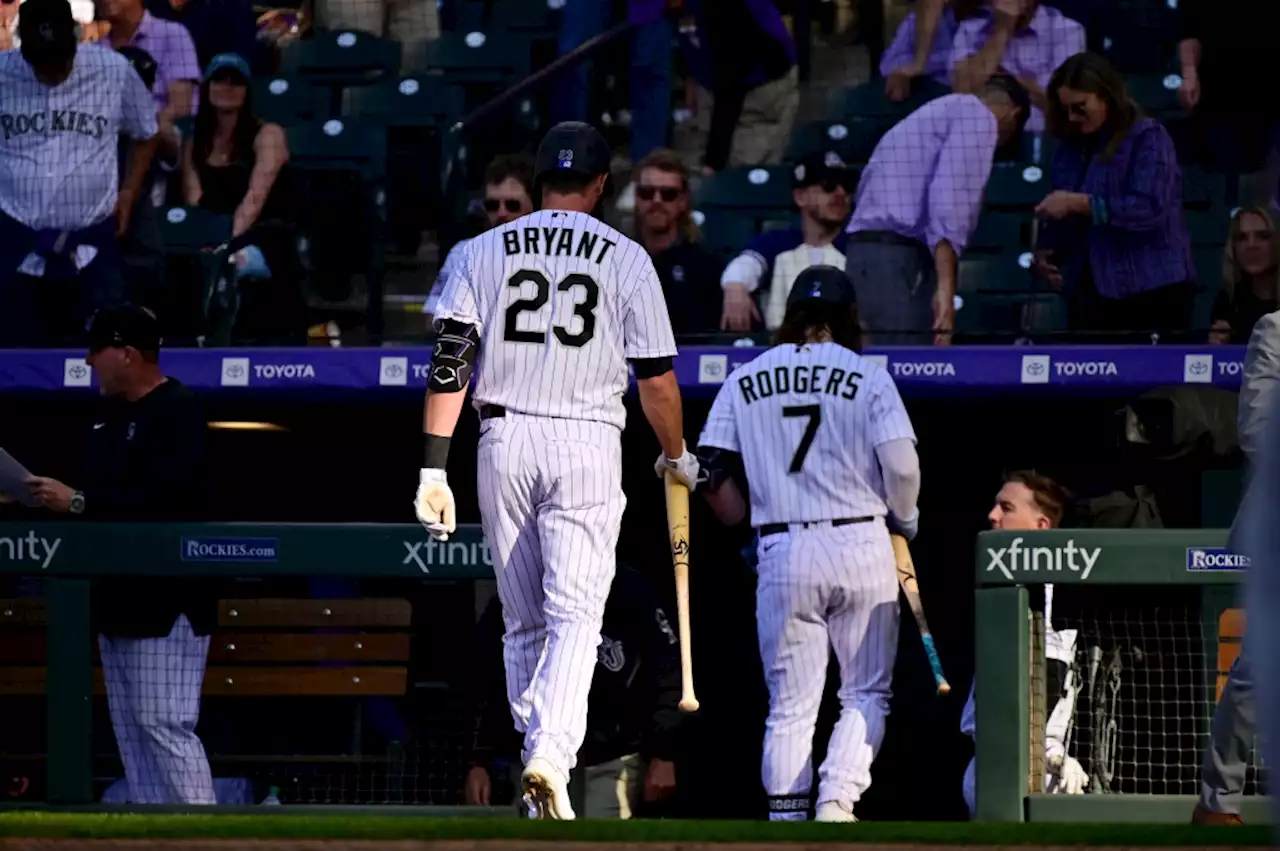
{"x":759,"y":188}
{"x":993,"y":274}
{"x":868,"y":101}
{"x":190,"y":230}
{"x":495,"y":58}
{"x":335,"y":144}
{"x":405,"y":102}
{"x":342,"y":57}
{"x":988,"y":317}
{"x":1207,"y":228}
{"x":1017,"y":185}
{"x":1045,"y":315}
{"x":535,"y":17}
{"x":1208,"y":263}
{"x":288,"y":100}
{"x":1202,"y":190}
{"x":854,"y":141}
{"x":724,"y":231}
{"x":1157,"y":94}
{"x":999,"y":232}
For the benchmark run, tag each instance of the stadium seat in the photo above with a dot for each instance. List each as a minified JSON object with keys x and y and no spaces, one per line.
{"x":999,"y":232}
{"x":853,"y":141}
{"x":289,"y":100}
{"x":533,"y":17}
{"x":1207,"y":228}
{"x":758,"y":188}
{"x":476,"y":57}
{"x":1202,"y":190}
{"x":1208,"y":263}
{"x":191,"y":230}
{"x":342,"y":58}
{"x":1017,"y":185}
{"x":1202,"y":310}
{"x":869,"y":102}
{"x":1157,"y":94}
{"x":988,"y":317}
{"x":1044,"y":316}
{"x":405,"y":102}
{"x":998,"y":274}
{"x":724,"y":231}
{"x":192,"y":270}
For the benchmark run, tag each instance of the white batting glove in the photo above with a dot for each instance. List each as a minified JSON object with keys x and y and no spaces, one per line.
{"x":1066,"y":776}
{"x":685,"y":468}
{"x":434,"y":504}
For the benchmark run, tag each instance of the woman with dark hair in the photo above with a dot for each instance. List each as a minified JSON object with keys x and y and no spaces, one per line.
{"x":1112,"y":236}
{"x":235,"y":164}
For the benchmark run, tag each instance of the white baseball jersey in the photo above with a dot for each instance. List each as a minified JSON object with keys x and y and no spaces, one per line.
{"x":447,"y":268}
{"x":562,"y":302}
{"x":59,"y":144}
{"x":806,"y":420}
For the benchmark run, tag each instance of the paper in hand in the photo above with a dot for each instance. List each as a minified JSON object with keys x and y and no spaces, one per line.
{"x":13,"y":480}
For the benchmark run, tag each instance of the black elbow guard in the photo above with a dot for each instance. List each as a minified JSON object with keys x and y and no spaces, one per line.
{"x":457,"y":345}
{"x":717,"y":466}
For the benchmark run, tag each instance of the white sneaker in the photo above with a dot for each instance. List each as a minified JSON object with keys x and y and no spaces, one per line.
{"x":832,"y":811}
{"x":546,"y":792}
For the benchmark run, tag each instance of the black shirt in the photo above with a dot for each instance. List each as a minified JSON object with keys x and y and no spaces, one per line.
{"x":633,"y":706}
{"x":690,"y":276}
{"x":145,"y":462}
{"x":1242,"y":312}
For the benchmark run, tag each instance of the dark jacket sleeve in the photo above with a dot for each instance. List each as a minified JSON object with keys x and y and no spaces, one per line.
{"x":662,"y":671}
{"x":491,"y":732}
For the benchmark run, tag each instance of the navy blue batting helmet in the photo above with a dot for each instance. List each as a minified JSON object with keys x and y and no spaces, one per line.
{"x":822,"y":283}
{"x":572,"y":146}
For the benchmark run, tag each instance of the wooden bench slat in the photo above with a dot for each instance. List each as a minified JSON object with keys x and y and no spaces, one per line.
{"x":369,"y":612}
{"x":29,"y":681}
{"x":241,"y":647}
{"x":27,"y":647}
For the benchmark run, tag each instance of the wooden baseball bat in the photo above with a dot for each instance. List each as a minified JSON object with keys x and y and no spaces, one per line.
{"x":911,"y":588}
{"x":678,"y":528}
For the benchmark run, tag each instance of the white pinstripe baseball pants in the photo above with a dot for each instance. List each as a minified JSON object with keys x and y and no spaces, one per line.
{"x":820,"y":588}
{"x":153,"y":695}
{"x":550,"y":493}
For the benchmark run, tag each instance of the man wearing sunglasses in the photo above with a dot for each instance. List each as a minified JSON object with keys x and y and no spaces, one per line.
{"x":822,"y":187}
{"x":508,"y":195}
{"x":688,"y":270}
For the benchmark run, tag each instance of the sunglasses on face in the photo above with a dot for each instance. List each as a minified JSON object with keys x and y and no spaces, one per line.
{"x":511,"y":205}
{"x":666,"y":193}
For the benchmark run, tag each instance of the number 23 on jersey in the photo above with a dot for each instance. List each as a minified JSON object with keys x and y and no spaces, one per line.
{"x":581,"y":288}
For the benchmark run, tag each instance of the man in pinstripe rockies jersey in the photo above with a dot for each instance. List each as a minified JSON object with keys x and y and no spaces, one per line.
{"x":549,"y":309}
{"x":829,"y":456}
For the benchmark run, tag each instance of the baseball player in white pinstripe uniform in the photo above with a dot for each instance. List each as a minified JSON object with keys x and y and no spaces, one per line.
{"x":549,"y":309}
{"x":828,"y":452}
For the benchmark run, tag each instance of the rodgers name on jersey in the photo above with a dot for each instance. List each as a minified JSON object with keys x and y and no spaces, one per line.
{"x":799,"y":378}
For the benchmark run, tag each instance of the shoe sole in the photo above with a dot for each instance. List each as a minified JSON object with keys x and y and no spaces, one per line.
{"x":538,"y":791}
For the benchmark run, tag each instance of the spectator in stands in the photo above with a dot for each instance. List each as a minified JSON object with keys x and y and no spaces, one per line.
{"x":1113,"y":237}
{"x":1020,"y":37}
{"x":216,"y":26}
{"x":234,"y":165}
{"x":748,"y":90}
{"x":177,"y":72}
{"x":410,"y":22}
{"x":1226,"y":52}
{"x":922,"y":45}
{"x":1250,"y":274}
{"x":689,"y":272}
{"x":82,"y":10}
{"x":508,"y":195}
{"x":627,"y":758}
{"x":822,"y":188}
{"x":918,"y":203}
{"x":145,"y":463}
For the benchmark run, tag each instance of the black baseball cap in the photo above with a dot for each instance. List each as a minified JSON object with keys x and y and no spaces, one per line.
{"x":573,"y":146}
{"x":822,"y":283}
{"x":47,"y":31}
{"x":124,"y":326}
{"x":823,"y":167}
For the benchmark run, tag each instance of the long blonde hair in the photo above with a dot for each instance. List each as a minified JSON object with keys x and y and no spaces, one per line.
{"x":1232,"y":275}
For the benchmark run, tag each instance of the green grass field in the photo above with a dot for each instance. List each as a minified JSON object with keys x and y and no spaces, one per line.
{"x":282,"y":826}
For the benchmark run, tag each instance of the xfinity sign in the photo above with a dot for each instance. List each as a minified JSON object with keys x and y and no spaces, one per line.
{"x":29,"y":549}
{"x":1215,"y":558}
{"x":1017,"y":558}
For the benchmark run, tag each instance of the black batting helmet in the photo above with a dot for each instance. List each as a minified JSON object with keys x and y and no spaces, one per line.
{"x":572,"y":146}
{"x":822,"y":283}
{"x":144,"y":63}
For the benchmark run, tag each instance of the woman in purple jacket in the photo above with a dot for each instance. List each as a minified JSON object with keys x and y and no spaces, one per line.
{"x":1112,"y":236}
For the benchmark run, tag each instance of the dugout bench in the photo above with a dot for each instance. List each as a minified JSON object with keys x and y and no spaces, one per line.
{"x":1148,"y":673}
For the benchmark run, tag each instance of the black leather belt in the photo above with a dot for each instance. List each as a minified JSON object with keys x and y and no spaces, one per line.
{"x":779,"y":528}
{"x":492,"y":412}
{"x":885,"y":237}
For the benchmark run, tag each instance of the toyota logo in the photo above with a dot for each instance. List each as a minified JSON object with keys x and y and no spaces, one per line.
{"x":1199,"y":367}
{"x":1035,"y":368}
{"x":78,"y":371}
{"x":393,"y":370}
{"x":235,"y":371}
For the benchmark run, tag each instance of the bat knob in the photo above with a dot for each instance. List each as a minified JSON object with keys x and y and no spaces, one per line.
{"x":689,"y":705}
{"x":944,"y":688}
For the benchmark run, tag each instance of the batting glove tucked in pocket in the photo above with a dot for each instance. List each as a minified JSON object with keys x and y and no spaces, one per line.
{"x":434,"y":504}
{"x":684,"y":468}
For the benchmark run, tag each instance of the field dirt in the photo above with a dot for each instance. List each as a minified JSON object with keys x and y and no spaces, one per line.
{"x":510,"y":845}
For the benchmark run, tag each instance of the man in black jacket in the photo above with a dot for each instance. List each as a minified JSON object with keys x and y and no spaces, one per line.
{"x":145,"y":462}
{"x":632,"y":716}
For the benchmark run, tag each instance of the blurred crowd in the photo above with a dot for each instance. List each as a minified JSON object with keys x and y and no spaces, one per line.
{"x":1016,"y":170}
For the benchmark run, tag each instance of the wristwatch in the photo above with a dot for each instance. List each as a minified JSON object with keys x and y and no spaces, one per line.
{"x":77,"y":503}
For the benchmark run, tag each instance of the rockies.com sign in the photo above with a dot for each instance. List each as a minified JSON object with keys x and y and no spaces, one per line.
{"x":1215,"y":558}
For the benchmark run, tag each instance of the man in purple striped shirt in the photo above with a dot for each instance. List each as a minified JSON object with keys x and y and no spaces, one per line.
{"x":918,"y":202}
{"x":922,"y":45}
{"x":1022,"y":38}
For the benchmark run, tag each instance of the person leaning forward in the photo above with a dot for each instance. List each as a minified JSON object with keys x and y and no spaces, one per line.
{"x":145,"y":462}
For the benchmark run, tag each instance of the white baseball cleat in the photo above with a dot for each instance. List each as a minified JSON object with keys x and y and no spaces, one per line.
{"x":832,"y":811}
{"x":546,"y":792}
